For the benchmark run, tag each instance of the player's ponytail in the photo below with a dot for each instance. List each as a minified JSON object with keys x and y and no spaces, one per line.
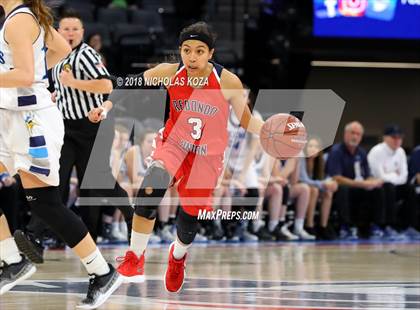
{"x":42,"y":12}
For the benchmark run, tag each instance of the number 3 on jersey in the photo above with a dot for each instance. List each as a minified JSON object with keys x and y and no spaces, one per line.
{"x":197,"y":127}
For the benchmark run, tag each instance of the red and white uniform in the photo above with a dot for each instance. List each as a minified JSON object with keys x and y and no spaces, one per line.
{"x":194,"y":138}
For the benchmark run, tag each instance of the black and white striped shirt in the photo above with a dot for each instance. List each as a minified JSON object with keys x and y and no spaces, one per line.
{"x":86,"y":64}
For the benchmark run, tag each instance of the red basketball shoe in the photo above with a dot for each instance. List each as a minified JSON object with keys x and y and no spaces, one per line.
{"x":131,"y":267}
{"x":175,"y":272}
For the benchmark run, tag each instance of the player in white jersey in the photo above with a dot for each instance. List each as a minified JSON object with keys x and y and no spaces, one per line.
{"x":240,"y":157}
{"x":275,"y":190}
{"x":31,"y":136}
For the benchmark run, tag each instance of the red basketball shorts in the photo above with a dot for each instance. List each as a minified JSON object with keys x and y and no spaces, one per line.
{"x":196,"y":175}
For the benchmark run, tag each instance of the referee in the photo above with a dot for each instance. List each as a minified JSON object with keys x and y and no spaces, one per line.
{"x":80,"y":80}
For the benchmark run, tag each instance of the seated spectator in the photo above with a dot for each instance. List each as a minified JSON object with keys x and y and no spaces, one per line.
{"x":414,"y":166}
{"x":312,"y":173}
{"x":414,"y":174}
{"x":388,"y":162}
{"x":347,"y":164}
{"x":276,"y":191}
{"x":123,"y":4}
{"x":299,"y":192}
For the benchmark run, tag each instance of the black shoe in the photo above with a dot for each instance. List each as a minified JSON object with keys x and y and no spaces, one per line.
{"x":100,"y":288}
{"x":264,"y":235}
{"x":229,"y":230}
{"x":311,"y":230}
{"x":327,"y":233}
{"x":277,"y":234}
{"x":13,"y":274}
{"x":216,"y":233}
{"x":30,"y":246}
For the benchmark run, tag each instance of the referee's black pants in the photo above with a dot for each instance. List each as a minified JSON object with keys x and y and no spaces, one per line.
{"x":79,"y":139}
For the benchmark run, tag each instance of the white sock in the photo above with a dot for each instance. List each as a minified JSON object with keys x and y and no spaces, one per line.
{"x":115,"y":226}
{"x":272,"y":224}
{"x":9,"y":251}
{"x":299,"y":225}
{"x":95,"y":263}
{"x":138,"y":242}
{"x":180,"y":249}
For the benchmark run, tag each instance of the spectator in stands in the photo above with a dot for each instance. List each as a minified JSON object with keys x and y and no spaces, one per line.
{"x":95,"y":41}
{"x":388,"y":162}
{"x":276,"y":191}
{"x":123,"y":4}
{"x":414,"y":167}
{"x":299,"y":192}
{"x":347,"y":164}
{"x":414,"y":173}
{"x":312,"y":173}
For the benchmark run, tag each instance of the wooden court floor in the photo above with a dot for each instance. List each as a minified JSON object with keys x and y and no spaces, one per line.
{"x":251,"y":276}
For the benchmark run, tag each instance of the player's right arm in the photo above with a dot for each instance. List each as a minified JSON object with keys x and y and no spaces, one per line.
{"x":20,"y":32}
{"x":58,"y":48}
{"x":233,"y":91}
{"x":161,"y":71}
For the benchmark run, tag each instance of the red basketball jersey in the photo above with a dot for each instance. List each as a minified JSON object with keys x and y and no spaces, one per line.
{"x":198,"y":116}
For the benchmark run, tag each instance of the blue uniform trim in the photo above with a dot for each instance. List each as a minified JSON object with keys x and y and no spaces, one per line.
{"x":14,"y":10}
{"x":26,"y":100}
{"x":219,"y":68}
{"x":39,"y":170}
{"x":41,"y":152}
{"x":37,"y":141}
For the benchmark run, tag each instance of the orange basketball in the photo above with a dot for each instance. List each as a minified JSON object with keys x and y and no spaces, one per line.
{"x":283,"y":136}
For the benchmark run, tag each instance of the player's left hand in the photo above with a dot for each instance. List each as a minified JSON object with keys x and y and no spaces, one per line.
{"x":97,"y":114}
{"x":67,"y":78}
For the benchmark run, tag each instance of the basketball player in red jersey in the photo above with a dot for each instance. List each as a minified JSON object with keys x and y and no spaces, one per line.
{"x":189,"y":150}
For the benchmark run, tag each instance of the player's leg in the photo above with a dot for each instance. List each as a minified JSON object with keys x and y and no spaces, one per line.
{"x":326,"y":232}
{"x":39,"y":172}
{"x":30,"y":242}
{"x":196,"y":193}
{"x":187,"y":228}
{"x":16,"y":267}
{"x":310,"y":213}
{"x":151,"y":192}
{"x":285,"y":233}
{"x":301,"y":192}
{"x":168,"y":161}
{"x":45,"y":201}
{"x":274,"y":193}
